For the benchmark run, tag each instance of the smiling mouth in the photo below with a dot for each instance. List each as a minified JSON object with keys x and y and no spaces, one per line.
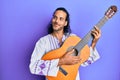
{"x":56,"y":25}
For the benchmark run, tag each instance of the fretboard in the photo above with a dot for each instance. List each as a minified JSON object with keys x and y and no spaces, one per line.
{"x":88,"y":36}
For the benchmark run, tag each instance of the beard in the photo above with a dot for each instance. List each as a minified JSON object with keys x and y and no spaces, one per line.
{"x":58,"y":29}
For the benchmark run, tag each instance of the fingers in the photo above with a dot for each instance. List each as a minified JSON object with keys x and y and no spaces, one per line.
{"x":70,"y":52}
{"x":75,"y":59}
{"x":96,"y":32}
{"x":69,"y":59}
{"x":96,"y":28}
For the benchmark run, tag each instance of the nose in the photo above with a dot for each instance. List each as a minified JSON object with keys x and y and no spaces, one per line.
{"x":57,"y":20}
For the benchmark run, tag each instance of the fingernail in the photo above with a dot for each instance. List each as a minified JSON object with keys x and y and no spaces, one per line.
{"x":73,"y":50}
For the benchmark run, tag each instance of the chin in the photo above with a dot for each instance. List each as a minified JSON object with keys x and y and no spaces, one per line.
{"x":55,"y":28}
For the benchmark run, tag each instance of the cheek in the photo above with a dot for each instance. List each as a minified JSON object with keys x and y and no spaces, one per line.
{"x":53,"y":20}
{"x":63,"y":24}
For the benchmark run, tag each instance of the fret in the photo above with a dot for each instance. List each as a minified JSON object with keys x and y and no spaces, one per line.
{"x":88,"y":36}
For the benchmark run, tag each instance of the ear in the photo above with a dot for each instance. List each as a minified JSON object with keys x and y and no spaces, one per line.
{"x":66,"y":23}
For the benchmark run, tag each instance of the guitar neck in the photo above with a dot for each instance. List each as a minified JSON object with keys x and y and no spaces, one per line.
{"x":88,"y":36}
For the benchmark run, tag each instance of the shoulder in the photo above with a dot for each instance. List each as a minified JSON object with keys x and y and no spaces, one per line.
{"x":72,"y":34}
{"x":43,"y":39}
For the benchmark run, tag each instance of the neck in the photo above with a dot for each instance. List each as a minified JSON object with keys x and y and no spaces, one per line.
{"x":58,"y":35}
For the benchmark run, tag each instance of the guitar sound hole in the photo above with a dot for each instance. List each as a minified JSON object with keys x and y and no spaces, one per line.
{"x":75,"y":53}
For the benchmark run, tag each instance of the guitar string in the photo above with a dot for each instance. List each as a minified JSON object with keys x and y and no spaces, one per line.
{"x":85,"y":39}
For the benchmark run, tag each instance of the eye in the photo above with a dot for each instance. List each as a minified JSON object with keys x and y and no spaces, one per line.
{"x":61,"y":18}
{"x":54,"y":17}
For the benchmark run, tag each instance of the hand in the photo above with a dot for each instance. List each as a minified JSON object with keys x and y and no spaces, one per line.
{"x":68,"y":59}
{"x":96,"y":35}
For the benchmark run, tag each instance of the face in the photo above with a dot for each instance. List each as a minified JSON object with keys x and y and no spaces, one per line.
{"x":59,"y":20}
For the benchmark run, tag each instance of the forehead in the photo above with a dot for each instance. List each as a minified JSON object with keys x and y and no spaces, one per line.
{"x":60,"y":13}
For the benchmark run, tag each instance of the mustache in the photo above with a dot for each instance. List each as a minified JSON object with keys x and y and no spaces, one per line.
{"x":56,"y":23}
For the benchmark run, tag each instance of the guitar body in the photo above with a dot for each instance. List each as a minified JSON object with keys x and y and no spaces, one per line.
{"x":70,"y":69}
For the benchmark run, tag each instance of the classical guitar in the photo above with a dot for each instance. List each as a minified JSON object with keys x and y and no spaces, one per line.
{"x":69,"y":72}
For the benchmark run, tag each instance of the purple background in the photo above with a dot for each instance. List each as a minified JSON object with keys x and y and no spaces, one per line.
{"x":23,"y":22}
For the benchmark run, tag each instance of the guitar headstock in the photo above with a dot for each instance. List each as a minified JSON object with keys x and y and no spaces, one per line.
{"x":111,"y":11}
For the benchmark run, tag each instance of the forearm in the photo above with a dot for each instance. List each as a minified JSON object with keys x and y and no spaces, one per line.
{"x":44,"y":67}
{"x":93,"y":44}
{"x":94,"y":56}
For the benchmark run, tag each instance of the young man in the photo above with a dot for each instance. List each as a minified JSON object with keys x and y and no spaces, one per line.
{"x":59,"y":31}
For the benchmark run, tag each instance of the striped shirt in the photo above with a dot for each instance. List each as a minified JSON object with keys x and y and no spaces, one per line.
{"x":50,"y":67}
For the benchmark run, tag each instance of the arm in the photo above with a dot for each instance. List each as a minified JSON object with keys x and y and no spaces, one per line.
{"x":68,"y":59}
{"x":94,"y":56}
{"x":96,"y":35}
{"x":42,"y":67}
{"x":93,"y":52}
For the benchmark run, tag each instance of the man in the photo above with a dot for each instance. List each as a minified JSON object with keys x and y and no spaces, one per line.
{"x":59,"y":31}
